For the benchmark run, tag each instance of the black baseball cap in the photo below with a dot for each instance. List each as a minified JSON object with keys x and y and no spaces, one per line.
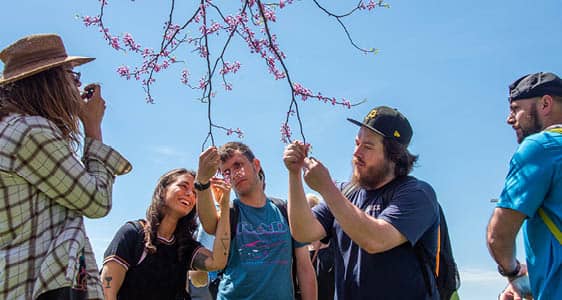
{"x":388,"y":122}
{"x":535,"y":85}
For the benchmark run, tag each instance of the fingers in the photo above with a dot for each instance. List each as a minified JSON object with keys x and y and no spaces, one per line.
{"x":220,"y":183}
{"x":92,"y":90}
{"x":310,"y":162}
{"x":209,"y":161}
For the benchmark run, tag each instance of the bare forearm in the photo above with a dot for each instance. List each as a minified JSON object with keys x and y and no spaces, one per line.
{"x":300,"y":214}
{"x":369,"y":233}
{"x":112,"y":277}
{"x":221,"y":245}
{"x":306,"y":275}
{"x":207,"y":211}
{"x":501,"y":235}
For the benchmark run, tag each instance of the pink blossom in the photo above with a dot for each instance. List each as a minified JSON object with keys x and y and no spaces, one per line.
{"x":90,"y":21}
{"x":130,"y":42}
{"x":285,"y":133}
{"x":184,"y":76}
{"x":123,"y":71}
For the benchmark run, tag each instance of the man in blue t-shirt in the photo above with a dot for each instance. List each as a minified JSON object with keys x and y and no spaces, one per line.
{"x":384,"y":225}
{"x":260,"y":262}
{"x":532,"y":195}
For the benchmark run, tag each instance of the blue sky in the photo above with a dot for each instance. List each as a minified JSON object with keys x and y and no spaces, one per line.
{"x":445,"y":64}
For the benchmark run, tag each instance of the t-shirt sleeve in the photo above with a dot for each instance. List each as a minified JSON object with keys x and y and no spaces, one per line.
{"x":412,"y":210}
{"x":191,"y":251}
{"x":325,"y":217}
{"x":528,"y":179}
{"x":122,"y":248}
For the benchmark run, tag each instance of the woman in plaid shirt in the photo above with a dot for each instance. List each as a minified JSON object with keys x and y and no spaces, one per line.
{"x":45,"y":189}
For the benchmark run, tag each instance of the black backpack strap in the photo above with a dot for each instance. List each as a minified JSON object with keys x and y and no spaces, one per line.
{"x":234,"y":211}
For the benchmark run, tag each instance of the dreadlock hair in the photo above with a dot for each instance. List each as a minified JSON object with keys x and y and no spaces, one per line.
{"x":51,"y":94}
{"x":227,"y":150}
{"x":398,"y":154}
{"x":186,"y":226}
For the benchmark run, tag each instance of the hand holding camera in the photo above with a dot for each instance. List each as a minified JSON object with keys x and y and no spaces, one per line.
{"x":93,"y":109}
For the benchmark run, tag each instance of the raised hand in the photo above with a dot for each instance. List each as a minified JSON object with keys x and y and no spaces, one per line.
{"x":92,"y":112}
{"x":209,"y":161}
{"x":221,"y":191}
{"x":316,"y":175}
{"x":294,"y":156}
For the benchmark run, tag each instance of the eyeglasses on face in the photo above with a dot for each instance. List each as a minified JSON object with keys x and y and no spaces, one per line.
{"x":75,"y":75}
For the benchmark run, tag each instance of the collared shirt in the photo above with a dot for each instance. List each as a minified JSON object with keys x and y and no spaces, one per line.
{"x":45,"y":191}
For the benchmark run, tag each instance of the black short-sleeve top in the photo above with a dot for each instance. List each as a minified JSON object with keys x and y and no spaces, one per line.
{"x":149,"y":276}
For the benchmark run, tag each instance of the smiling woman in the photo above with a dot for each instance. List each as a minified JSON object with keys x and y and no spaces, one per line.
{"x":149,"y":259}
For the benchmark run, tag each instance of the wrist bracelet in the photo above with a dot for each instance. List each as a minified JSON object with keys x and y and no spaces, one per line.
{"x":512,"y":273}
{"x":201,"y":186}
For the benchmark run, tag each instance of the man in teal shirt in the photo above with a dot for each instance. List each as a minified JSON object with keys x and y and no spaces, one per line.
{"x":532,"y":195}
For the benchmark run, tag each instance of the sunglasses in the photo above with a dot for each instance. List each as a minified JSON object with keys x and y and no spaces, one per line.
{"x":75,"y":76}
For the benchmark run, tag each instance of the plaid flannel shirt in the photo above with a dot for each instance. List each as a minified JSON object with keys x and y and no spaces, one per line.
{"x":45,"y":191}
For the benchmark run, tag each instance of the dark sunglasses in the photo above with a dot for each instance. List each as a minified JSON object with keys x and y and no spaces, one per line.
{"x":75,"y":75}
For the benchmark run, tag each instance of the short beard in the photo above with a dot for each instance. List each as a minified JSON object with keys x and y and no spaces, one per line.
{"x":374,"y":177}
{"x":535,"y":126}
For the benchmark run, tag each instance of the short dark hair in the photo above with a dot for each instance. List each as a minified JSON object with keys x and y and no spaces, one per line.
{"x":227,"y":150}
{"x":398,"y":154}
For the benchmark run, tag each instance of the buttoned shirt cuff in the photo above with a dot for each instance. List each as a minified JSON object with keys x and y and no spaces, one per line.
{"x":109,"y":157}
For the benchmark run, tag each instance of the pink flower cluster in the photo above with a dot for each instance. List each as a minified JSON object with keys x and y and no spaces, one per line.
{"x":285,"y":133}
{"x":185,"y":76}
{"x":251,"y":23}
{"x":130,"y":43}
{"x":305,"y":93}
{"x":238,"y":132}
{"x":373,"y":4}
{"x":282,"y":3}
{"x":91,"y":21}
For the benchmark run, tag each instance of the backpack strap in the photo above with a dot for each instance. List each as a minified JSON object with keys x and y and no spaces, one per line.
{"x":234,"y":211}
{"x":542,"y":213}
{"x":550,"y":224}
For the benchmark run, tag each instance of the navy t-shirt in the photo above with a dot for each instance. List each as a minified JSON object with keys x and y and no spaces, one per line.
{"x":413,"y":210}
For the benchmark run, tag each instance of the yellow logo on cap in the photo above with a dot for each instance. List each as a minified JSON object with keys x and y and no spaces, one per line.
{"x":396,"y":133}
{"x":371,"y":115}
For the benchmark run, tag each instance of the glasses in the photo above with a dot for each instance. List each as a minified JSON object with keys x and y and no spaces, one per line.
{"x":75,"y":76}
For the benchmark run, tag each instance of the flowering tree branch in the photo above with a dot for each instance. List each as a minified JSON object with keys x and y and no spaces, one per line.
{"x":253,"y":17}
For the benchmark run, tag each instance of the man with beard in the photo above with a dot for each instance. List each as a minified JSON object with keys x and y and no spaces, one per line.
{"x":381,"y":223}
{"x":532,"y":194}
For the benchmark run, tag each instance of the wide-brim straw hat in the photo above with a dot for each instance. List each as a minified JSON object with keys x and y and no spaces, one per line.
{"x":33,"y":54}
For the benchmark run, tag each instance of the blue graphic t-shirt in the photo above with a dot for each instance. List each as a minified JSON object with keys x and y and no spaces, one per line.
{"x":535,"y":180}
{"x":260,"y":262}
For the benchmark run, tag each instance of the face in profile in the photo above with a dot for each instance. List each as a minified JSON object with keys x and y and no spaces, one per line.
{"x":523,"y":118}
{"x":370,"y":166}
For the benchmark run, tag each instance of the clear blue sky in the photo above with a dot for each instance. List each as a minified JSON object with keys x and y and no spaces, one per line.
{"x":445,"y":64}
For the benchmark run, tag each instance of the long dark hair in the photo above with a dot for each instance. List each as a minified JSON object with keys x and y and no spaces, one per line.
{"x":186,"y":226}
{"x":398,"y":154}
{"x":51,"y":94}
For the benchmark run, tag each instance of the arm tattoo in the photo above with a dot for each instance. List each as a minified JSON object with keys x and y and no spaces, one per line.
{"x":199,"y":261}
{"x":223,"y":245}
{"x":108,"y":280}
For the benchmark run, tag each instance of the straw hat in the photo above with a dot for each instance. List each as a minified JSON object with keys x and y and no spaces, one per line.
{"x":33,"y":54}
